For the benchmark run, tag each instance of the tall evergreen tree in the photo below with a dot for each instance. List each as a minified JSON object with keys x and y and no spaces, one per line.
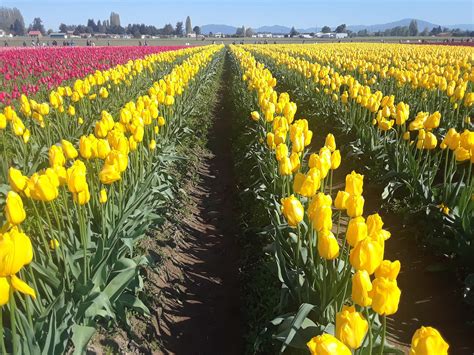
{"x":189,"y":27}
{"x":413,"y":28}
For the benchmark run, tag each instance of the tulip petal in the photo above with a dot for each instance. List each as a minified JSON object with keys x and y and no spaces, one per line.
{"x":4,"y":291}
{"x":22,"y":286}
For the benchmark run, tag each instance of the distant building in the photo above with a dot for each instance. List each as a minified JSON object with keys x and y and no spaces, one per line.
{"x":264,"y":35}
{"x":342,"y":35}
{"x":57,"y":35}
{"x":278,"y":36}
{"x":2,"y":33}
{"x":36,"y":34}
{"x":219,"y":35}
{"x":191,"y":35}
{"x":305,"y":35}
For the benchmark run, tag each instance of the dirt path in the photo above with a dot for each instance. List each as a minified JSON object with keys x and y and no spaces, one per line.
{"x":201,"y":301}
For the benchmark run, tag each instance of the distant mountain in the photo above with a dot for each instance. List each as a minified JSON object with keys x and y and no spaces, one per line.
{"x":225,"y":29}
{"x":462,"y":26}
{"x":274,"y":29}
{"x":405,"y":22}
{"x":278,"y":29}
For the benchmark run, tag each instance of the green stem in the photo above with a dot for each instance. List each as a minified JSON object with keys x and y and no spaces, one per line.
{"x":384,"y":331}
{"x":13,"y":320}
{"x":2,"y":342}
{"x":370,"y":330}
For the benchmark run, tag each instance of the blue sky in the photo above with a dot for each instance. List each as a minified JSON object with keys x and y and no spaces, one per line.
{"x":254,"y":13}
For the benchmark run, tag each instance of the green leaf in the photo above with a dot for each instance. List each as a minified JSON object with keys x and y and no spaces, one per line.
{"x":81,"y":335}
{"x":297,"y":323}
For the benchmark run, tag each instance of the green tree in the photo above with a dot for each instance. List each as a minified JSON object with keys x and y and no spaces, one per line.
{"x":189,"y":27}
{"x":179,"y":29}
{"x":293,"y":32}
{"x":37,"y":25}
{"x":326,"y":29}
{"x":168,"y":30}
{"x":197,"y":30}
{"x":426,"y":32}
{"x":249,"y":32}
{"x":18,"y":27}
{"x":240,"y":32}
{"x":341,"y":28}
{"x":413,"y":28}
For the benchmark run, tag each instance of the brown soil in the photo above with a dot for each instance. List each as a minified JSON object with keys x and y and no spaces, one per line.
{"x":200,"y":310}
{"x":194,"y":294}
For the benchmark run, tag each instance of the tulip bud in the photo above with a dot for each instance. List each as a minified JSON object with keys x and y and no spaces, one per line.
{"x":355,"y":205}
{"x":328,"y":248}
{"x":335,"y":159}
{"x":341,"y":200}
{"x":361,"y":287}
{"x":367,"y":255}
{"x":351,"y":327}
{"x":356,"y":231}
{"x":14,"y":210}
{"x":428,"y":340}
{"x":255,"y":115}
{"x":109,"y":174}
{"x":385,"y":296}
{"x":330,"y":142}
{"x":293,"y":210}
{"x":388,"y":269}
{"x":354,"y":183}
{"x":103,"y":196}
{"x":326,"y":344}
{"x":17,"y":180}
{"x":54,"y":244}
{"x":69,"y":151}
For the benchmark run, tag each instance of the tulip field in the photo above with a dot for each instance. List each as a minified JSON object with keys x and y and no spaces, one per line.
{"x":88,"y":136}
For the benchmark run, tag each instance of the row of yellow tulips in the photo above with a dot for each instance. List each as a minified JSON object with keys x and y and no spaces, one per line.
{"x":415,"y":148}
{"x":79,"y":242}
{"x":327,"y":271}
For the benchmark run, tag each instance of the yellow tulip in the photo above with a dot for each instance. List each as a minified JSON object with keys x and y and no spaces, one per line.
{"x":327,"y":344}
{"x":385,"y":296}
{"x":117,"y":159}
{"x":335,"y":159}
{"x":68,"y":148}
{"x":355,"y":205}
{"x":103,"y":196}
{"x":76,"y":177}
{"x":54,"y":244}
{"x":361,"y":288}
{"x":17,"y":180}
{"x":354,"y":183}
{"x":356,"y":231}
{"x":82,"y":197}
{"x":14,"y":211}
{"x":351,"y":327}
{"x":292,"y":210}
{"x":428,"y":341}
{"x":109,"y":174}
{"x":341,"y":200}
{"x":16,"y":251}
{"x":255,"y":115}
{"x":388,"y":269}
{"x":42,"y":188}
{"x":328,"y":248}
{"x":367,"y":255}
{"x":330,"y":142}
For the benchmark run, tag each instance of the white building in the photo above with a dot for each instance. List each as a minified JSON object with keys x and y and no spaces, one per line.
{"x":264,"y":35}
{"x":191,"y":35}
{"x":342,"y":35}
{"x":2,"y":33}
